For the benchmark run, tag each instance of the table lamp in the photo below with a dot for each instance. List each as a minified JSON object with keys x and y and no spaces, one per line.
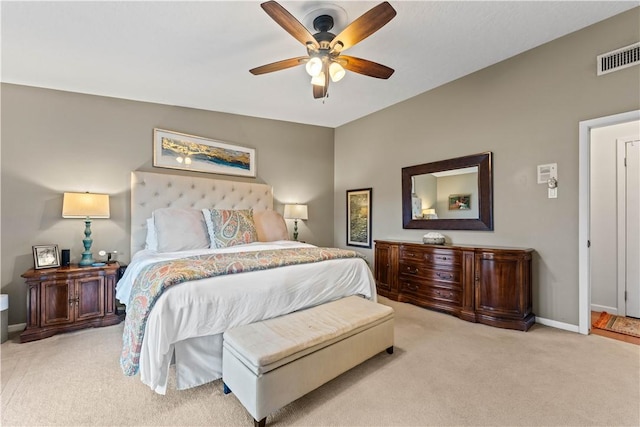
{"x":429,"y":214}
{"x":295,"y":212}
{"x":87,"y":206}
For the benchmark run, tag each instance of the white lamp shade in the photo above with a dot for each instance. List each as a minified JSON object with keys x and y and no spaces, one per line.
{"x":82,"y":205}
{"x":314,"y":66}
{"x":318,"y":80}
{"x":296,"y":212}
{"x":336,"y":72}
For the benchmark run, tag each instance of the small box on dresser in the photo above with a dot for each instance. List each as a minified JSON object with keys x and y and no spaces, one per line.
{"x":69,"y":298}
{"x":490,"y":285}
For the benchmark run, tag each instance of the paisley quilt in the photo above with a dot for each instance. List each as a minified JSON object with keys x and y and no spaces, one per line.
{"x":154,"y":279}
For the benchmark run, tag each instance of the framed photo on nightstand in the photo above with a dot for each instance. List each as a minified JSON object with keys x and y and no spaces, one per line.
{"x":46,"y":256}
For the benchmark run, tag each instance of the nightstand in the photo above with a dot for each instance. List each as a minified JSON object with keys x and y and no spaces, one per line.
{"x":69,"y":298}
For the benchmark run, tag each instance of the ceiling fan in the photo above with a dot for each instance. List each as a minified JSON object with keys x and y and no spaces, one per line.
{"x":324,"y":58}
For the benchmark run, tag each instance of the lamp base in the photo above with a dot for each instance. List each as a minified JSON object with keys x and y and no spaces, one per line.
{"x":87,"y":259}
{"x":87,"y":256}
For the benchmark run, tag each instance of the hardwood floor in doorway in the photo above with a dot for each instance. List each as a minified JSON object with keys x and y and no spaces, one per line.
{"x":609,"y":334}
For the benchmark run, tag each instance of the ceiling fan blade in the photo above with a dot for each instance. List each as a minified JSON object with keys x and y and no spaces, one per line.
{"x":366,"y":67}
{"x":289,"y":23}
{"x":364,"y":26}
{"x":280,"y":65}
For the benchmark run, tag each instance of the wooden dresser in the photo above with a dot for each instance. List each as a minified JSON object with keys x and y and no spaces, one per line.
{"x":69,"y":298}
{"x":490,"y":285}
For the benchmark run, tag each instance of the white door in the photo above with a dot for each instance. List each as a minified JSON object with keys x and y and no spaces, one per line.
{"x":632,"y":276}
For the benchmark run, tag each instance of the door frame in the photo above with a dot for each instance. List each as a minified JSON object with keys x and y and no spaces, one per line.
{"x":584,"y":176}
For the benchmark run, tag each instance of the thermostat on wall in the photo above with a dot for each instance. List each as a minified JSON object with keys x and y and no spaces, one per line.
{"x":546,"y":172}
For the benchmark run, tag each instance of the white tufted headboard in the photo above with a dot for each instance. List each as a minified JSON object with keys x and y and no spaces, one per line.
{"x":150,"y":191}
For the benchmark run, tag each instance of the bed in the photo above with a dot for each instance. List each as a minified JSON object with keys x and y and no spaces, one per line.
{"x":185,"y":323}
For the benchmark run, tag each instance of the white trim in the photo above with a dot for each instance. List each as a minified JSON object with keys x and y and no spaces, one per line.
{"x":18,"y":327}
{"x":584,"y":277}
{"x":599,"y":308}
{"x":555,"y":324}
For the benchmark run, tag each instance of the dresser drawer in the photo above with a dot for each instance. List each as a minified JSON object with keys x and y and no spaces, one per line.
{"x":443,"y":257}
{"x":436,"y":257}
{"x":426,"y":290}
{"x":410,"y":269}
{"x":411,"y":253}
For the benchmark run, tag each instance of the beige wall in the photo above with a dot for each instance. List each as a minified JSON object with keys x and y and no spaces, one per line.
{"x":526,"y":111}
{"x":54,"y":142}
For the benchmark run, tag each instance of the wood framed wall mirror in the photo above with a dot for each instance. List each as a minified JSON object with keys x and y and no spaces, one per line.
{"x":453,"y":194}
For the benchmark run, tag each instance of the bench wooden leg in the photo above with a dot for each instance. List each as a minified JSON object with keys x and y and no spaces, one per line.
{"x":390,"y":350}
{"x":260,"y":423}
{"x":225,"y":389}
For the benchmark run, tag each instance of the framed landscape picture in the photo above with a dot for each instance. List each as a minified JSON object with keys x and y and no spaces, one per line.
{"x":175,"y":150}
{"x":359,"y":218}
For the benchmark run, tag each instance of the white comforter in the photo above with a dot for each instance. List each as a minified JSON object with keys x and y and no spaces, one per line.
{"x":188,"y":319}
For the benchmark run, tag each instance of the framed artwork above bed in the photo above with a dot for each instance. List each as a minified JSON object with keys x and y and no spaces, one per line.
{"x":176,"y":150}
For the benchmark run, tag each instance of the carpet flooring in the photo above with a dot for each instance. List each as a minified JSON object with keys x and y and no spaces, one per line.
{"x":444,"y":372}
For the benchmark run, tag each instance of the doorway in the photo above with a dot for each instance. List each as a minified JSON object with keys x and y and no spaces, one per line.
{"x":585,"y":211}
{"x":629,"y":235}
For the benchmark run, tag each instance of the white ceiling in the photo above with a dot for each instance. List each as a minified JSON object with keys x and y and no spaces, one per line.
{"x":198,"y":54}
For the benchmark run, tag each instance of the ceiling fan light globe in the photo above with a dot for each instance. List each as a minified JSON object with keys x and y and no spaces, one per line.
{"x":314,"y":66}
{"x":336,"y":71}
{"x":318,"y":80}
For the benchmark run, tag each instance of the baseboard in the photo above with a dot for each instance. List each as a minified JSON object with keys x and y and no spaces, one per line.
{"x":610,"y":310}
{"x":18,"y":327}
{"x":555,"y":324}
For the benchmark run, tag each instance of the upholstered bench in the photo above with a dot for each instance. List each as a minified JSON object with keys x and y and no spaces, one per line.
{"x":271,"y":363}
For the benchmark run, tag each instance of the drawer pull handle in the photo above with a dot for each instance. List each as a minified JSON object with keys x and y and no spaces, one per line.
{"x":410,"y":271}
{"x":444,"y":276}
{"x":441,"y":294}
{"x":411,"y":286}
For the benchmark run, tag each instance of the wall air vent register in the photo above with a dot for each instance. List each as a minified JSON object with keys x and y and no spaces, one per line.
{"x":619,"y":59}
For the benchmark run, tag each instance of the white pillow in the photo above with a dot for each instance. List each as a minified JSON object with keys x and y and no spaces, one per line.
{"x":152,"y":238}
{"x":180,"y":229}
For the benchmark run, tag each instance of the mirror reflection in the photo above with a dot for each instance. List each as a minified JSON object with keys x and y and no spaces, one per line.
{"x":451,"y":194}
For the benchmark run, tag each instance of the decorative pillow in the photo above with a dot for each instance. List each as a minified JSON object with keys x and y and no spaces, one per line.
{"x":180,"y":229}
{"x":152,"y":239}
{"x":231,"y":227}
{"x":270,"y":226}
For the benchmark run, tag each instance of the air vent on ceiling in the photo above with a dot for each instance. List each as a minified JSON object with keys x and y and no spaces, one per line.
{"x":619,"y":59}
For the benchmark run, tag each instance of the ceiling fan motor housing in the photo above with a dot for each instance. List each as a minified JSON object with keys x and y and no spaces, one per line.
{"x":323,"y":24}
